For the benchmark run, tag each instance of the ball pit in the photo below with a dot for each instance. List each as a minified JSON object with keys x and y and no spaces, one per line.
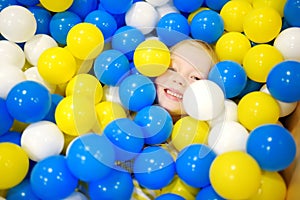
{"x":79,"y":112}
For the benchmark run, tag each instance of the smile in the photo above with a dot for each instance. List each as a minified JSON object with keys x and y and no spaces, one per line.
{"x":173,"y":94}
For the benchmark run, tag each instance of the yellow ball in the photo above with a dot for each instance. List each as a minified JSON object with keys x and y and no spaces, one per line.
{"x":152,"y":58}
{"x":235,"y":175}
{"x":85,"y":41}
{"x":14,"y":165}
{"x":56,"y":5}
{"x":257,"y":108}
{"x":262,"y":25}
{"x":272,"y":187}
{"x":75,"y":115}
{"x":233,"y":14}
{"x":259,"y":61}
{"x":232,"y":46}
{"x":278,"y":5}
{"x":108,"y":111}
{"x":86,"y":85}
{"x":188,"y":130}
{"x":56,"y":65}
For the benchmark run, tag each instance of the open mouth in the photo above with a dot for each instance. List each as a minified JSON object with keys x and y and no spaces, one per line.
{"x":174,"y":95}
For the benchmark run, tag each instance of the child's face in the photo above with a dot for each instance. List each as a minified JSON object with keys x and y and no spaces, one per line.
{"x":171,"y":85}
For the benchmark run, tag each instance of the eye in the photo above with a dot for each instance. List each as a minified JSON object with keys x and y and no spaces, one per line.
{"x":196,"y":78}
{"x":172,"y":69}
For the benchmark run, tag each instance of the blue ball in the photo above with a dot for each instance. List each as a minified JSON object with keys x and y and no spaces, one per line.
{"x":272,"y":146}
{"x":193,"y":164}
{"x":118,"y":185}
{"x":169,"y":196}
{"x":6,"y":3}
{"x":126,"y":39}
{"x":291,"y":11}
{"x":116,"y":6}
{"x":104,"y":21}
{"x":51,"y":178}
{"x":283,"y":81}
{"x":189,"y":6}
{"x":56,"y":98}
{"x":207,"y":26}
{"x":156,"y":123}
{"x":230,"y":76}
{"x":126,"y":136}
{"x":28,"y":101}
{"x":216,"y":5}
{"x":83,"y":7}
{"x":12,"y":137}
{"x":5,"y":117}
{"x":111,"y":66}
{"x":208,"y":193}
{"x":42,"y":17}
{"x":251,"y":86}
{"x":90,"y":157}
{"x":22,"y":191}
{"x":60,"y":25}
{"x":136,"y":92}
{"x":172,"y":28}
{"x":154,"y":168}
{"x":28,"y":2}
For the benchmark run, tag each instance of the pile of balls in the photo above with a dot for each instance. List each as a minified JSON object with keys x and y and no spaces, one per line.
{"x":78,"y":118}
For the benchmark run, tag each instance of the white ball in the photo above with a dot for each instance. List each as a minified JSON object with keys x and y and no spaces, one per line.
{"x":288,"y":43}
{"x":17,"y":24}
{"x":33,"y":74}
{"x":9,"y":77}
{"x":228,"y":136}
{"x":166,"y":9}
{"x":34,"y":47}
{"x":203,"y":100}
{"x":157,"y":2}
{"x":76,"y":196}
{"x":41,"y":140}
{"x":228,"y":114}
{"x":285,"y":108}
{"x":142,"y":16}
{"x":11,"y":54}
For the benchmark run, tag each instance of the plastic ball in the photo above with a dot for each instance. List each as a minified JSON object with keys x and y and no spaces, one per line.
{"x":6,"y":3}
{"x":142,"y":16}
{"x":172,"y":28}
{"x":51,"y":178}
{"x":215,"y":4}
{"x":86,"y":85}
{"x":126,"y":136}
{"x":104,"y":21}
{"x":152,"y":58}
{"x":136,"y":92}
{"x":230,"y":77}
{"x":232,"y":46}
{"x":76,"y":196}
{"x":156,"y":124}
{"x":11,"y":137}
{"x":56,"y":98}
{"x":272,"y":187}
{"x":111,"y":66}
{"x":168,"y":196}
{"x":235,"y":175}
{"x":11,"y":54}
{"x":117,"y":6}
{"x":126,"y":39}
{"x":15,"y":20}
{"x":208,"y":193}
{"x":234,"y":13}
{"x":288,"y":43}
{"x":290,"y":11}
{"x":90,"y":157}
{"x":34,"y":47}
{"x":118,"y":184}
{"x":56,"y":65}
{"x":75,"y":115}
{"x":278,"y":5}
{"x":283,"y":81}
{"x":83,"y":7}
{"x":262,"y":25}
{"x":228,"y":136}
{"x":207,"y":26}
{"x":187,"y":131}
{"x":60,"y":25}
{"x":193,"y":163}
{"x":84,"y":66}
{"x":203,"y":100}
{"x":56,"y":5}
{"x":42,"y":17}
{"x":152,"y":164}
{"x":14,"y":165}
{"x":28,"y":101}
{"x":166,"y":9}
{"x":257,"y":108}
{"x":5,"y":117}
{"x":272,"y":146}
{"x":251,"y":86}
{"x":85,"y":41}
{"x":259,"y":61}
{"x":188,"y":7}
{"x":21,"y":191}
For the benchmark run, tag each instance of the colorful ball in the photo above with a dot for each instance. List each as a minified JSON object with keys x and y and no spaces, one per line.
{"x":56,"y":5}
{"x":208,"y":192}
{"x":11,"y":54}
{"x":188,"y":7}
{"x":42,"y":17}
{"x":278,"y":5}
{"x":83,"y":7}
{"x":6,"y":119}
{"x":215,"y":4}
{"x":169,"y":196}
{"x":21,"y":191}
{"x":117,"y":6}
{"x":11,"y":137}
{"x":290,"y":11}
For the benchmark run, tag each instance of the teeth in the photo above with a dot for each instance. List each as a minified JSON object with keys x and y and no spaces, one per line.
{"x":174,"y":94}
